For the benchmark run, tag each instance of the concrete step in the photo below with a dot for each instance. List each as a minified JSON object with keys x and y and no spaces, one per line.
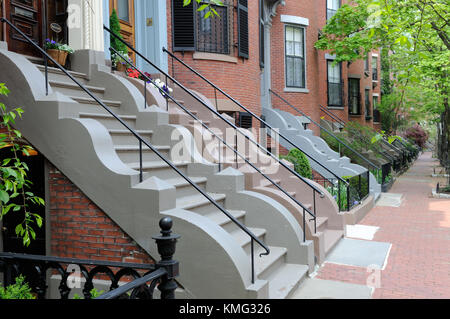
{"x":131,"y":153}
{"x":72,"y":89}
{"x":125,"y":137}
{"x":226,"y":223}
{"x":109,"y":121}
{"x":160,"y":169}
{"x":265,"y":266}
{"x":184,"y":188}
{"x":89,"y":105}
{"x":244,"y":239}
{"x":55,"y":74}
{"x":286,"y":279}
{"x":200,"y":204}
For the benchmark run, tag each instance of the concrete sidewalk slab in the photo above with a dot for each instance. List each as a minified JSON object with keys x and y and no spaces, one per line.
{"x":361,"y":253}
{"x":329,"y":289}
{"x":361,"y":231}
{"x":390,"y":200}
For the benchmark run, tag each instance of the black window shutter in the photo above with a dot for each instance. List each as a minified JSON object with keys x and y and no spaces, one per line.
{"x":261,"y":34}
{"x":243,"y":41}
{"x":183,"y":25}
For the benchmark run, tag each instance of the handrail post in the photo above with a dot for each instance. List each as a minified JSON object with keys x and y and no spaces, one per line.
{"x":141,"y":176}
{"x":252,"y":251}
{"x":304,"y":226}
{"x":166,"y":243}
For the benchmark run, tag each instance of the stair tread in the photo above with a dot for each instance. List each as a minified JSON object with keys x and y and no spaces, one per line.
{"x":264,"y":262}
{"x":320,"y":221}
{"x":189,"y":202}
{"x":89,"y":100}
{"x":286,"y":279}
{"x":243,"y":238}
{"x":136,"y":147}
{"x":155,"y":164}
{"x":126,"y":132}
{"x":221,"y":219}
{"x":57,"y":70}
{"x":104,"y":115}
{"x":75,"y":86}
{"x":180,"y":181}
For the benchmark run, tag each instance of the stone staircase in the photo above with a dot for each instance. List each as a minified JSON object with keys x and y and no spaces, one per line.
{"x":293,"y":128}
{"x":330,"y":227}
{"x":101,"y":157}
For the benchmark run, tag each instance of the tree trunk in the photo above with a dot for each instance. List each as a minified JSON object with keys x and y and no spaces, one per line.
{"x":444,"y":151}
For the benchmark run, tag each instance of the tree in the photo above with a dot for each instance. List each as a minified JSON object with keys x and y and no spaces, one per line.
{"x":14,"y":194}
{"x":415,"y":37}
{"x":114,"y":25}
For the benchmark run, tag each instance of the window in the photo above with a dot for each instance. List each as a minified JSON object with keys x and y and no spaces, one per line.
{"x":192,"y":32}
{"x":367,"y":104}
{"x":354,"y":97}
{"x":376,"y":112}
{"x":332,"y":7}
{"x":212,"y":34}
{"x":295,"y":57}
{"x":334,"y":84}
{"x":366,"y":62}
{"x":374,"y":68}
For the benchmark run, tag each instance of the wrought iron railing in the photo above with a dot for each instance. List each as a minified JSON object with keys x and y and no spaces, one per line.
{"x":143,"y":142}
{"x":263,"y":123}
{"x":237,"y":154}
{"x":71,"y":272}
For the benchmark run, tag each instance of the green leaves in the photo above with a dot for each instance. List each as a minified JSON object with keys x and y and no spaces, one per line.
{"x":14,"y":195}
{"x":206,"y":6}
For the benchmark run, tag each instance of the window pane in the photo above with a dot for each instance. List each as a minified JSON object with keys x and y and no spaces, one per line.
{"x":122,"y":10}
{"x":334,"y":72}
{"x":289,"y":34}
{"x":290,"y":48}
{"x":289,"y":71}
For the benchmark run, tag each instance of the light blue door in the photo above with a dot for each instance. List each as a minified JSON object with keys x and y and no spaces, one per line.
{"x":151,"y":33}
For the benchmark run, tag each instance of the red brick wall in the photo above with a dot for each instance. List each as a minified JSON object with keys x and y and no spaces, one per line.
{"x":79,"y":229}
{"x":241,"y":80}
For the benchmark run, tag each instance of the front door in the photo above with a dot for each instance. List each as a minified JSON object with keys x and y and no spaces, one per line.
{"x":26,"y":16}
{"x":125,"y":12}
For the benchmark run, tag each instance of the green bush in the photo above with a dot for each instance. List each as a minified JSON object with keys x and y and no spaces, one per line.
{"x":19,"y":290}
{"x":114,"y":26}
{"x":300,"y":161}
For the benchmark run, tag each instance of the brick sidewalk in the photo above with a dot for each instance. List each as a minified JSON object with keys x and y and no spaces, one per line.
{"x":419,"y":230}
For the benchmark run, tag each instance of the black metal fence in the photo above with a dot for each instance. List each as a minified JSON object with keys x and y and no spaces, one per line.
{"x":146,"y":277}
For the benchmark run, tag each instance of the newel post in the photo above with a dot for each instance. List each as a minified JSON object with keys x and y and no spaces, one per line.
{"x":166,"y":243}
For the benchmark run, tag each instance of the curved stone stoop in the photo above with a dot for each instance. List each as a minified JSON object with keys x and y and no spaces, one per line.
{"x":98,"y":157}
{"x":330,"y":222}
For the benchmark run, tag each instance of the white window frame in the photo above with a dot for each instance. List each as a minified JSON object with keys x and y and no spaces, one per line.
{"x":301,"y":23}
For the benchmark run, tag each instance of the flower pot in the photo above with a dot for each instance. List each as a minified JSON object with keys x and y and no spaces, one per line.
{"x":57,"y":55}
{"x":121,"y":67}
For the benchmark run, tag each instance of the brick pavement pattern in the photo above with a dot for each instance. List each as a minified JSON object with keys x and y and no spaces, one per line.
{"x":418,"y":265}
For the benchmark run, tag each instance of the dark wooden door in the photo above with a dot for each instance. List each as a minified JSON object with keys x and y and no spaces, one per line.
{"x":56,"y":21}
{"x":11,"y":242}
{"x":26,"y":16}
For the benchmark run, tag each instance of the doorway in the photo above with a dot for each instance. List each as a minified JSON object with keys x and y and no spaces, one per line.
{"x":28,"y":16}
{"x":125,"y":13}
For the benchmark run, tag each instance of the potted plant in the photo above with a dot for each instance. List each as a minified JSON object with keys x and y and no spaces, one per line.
{"x":118,"y":63}
{"x":57,"y":51}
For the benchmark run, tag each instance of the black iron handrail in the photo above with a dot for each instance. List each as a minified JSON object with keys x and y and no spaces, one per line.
{"x":167,"y":95}
{"x":263,"y":123}
{"x":314,"y":188}
{"x":337,"y":119}
{"x":324,"y":129}
{"x":143,"y":141}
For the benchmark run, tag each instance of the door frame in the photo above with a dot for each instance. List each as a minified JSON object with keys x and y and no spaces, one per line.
{"x":130,"y":27}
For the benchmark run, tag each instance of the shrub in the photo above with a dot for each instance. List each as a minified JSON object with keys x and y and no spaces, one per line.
{"x":114,"y":25}
{"x":301,"y":163}
{"x":417,"y":134}
{"x":19,"y":290}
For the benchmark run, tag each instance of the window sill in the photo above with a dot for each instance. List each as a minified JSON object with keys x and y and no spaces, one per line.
{"x":335,"y":107}
{"x":214,"y":57}
{"x":355,"y":115}
{"x":296,"y":90}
